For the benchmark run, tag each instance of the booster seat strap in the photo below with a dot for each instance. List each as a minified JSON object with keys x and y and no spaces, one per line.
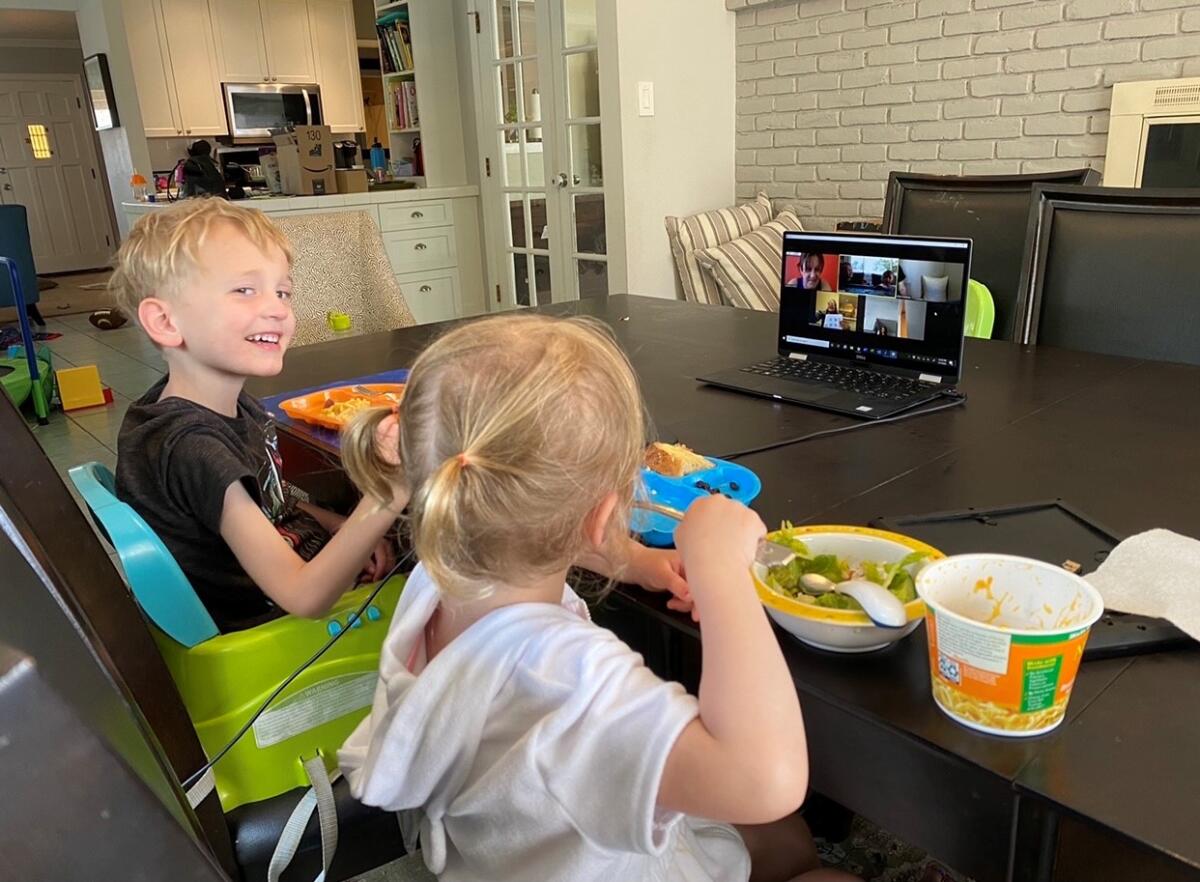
{"x":199,"y":791}
{"x":320,"y":797}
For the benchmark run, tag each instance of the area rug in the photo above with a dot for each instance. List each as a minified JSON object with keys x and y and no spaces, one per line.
{"x":875,"y":855}
{"x":12,"y":337}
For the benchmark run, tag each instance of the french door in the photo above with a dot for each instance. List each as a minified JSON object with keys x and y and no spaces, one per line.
{"x":541,"y":137}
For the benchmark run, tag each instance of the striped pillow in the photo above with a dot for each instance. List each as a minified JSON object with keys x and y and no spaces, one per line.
{"x":747,"y":270}
{"x":709,"y":228}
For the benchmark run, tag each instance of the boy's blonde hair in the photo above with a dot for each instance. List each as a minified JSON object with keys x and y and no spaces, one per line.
{"x":164,"y":247}
{"x":512,"y":430}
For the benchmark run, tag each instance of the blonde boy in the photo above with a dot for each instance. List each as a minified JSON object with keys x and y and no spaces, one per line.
{"x":210,"y":284}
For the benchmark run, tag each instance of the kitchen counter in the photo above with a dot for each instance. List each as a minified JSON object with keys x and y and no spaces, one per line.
{"x":431,"y":236}
{"x":273,"y":204}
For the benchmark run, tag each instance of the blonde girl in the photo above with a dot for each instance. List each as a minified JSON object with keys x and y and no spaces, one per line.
{"x":518,"y":740}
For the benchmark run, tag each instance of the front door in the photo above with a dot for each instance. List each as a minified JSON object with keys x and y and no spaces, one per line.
{"x":48,"y":164}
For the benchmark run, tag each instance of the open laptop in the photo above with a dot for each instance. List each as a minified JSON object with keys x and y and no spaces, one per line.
{"x":869,"y":325}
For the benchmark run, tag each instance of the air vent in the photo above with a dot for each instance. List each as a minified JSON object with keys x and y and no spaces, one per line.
{"x":1175,"y":96}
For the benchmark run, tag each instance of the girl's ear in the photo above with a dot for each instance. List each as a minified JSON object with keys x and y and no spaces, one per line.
{"x":154,"y":315}
{"x":595,"y":526}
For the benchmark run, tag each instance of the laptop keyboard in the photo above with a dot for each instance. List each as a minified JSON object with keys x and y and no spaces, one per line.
{"x":872,"y":383}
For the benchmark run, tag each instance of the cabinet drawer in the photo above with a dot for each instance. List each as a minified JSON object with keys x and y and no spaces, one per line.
{"x":414,"y":250}
{"x":414,"y":215}
{"x":432,"y":297}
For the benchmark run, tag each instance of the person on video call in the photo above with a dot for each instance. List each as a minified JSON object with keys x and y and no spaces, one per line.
{"x":809,"y":278}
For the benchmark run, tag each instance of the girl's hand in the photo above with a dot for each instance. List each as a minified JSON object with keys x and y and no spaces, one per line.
{"x":660,"y":569}
{"x":719,"y":534}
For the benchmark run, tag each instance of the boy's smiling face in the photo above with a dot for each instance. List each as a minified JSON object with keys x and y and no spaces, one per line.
{"x":233,"y":315}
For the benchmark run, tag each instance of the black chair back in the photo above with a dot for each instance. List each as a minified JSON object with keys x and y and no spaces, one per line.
{"x":73,"y":806}
{"x":63,"y":604}
{"x":1110,"y":270}
{"x":992,"y":210}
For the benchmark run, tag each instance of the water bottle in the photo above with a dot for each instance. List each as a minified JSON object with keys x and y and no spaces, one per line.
{"x":137,"y":183}
{"x":378,"y":160}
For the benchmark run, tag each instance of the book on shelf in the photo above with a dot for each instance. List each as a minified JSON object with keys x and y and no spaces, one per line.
{"x":395,"y":43}
{"x":403,"y":98}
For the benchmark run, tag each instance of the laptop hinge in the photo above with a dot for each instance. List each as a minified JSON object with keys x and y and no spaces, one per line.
{"x":930,"y":378}
{"x":798,"y":356}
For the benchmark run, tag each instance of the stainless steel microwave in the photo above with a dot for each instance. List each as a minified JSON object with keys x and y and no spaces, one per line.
{"x":254,"y":109}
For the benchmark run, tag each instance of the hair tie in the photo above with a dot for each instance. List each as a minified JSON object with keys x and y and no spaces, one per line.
{"x":463,"y":461}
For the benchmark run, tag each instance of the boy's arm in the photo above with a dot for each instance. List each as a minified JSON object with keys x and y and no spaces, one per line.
{"x":330,"y":521}
{"x":302,"y":588}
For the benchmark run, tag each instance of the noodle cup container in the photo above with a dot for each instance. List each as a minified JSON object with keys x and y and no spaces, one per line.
{"x":1006,"y":636}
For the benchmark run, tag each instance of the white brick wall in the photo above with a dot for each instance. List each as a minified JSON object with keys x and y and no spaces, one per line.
{"x":834,"y":94}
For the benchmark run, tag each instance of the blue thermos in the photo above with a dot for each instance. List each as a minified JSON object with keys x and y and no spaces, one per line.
{"x":378,"y":160}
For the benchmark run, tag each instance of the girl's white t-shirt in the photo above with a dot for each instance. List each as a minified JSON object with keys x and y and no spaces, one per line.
{"x":531,"y":748}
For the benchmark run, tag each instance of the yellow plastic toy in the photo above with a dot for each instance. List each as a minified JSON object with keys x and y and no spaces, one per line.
{"x":80,"y":387}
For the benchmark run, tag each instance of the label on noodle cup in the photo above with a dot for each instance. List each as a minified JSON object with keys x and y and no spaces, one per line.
{"x":1002,"y":683}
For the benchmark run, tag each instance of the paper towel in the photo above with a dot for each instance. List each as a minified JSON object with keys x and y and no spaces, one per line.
{"x":1156,"y":573}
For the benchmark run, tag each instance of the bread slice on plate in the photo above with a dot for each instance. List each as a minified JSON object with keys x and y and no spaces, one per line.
{"x":674,"y":460}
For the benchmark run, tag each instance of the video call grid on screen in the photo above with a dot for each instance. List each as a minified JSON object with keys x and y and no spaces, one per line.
{"x":895,"y":301}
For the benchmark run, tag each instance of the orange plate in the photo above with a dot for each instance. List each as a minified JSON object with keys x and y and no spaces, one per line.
{"x":314,"y":407}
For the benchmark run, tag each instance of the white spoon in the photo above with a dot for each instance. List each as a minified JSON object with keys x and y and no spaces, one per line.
{"x":882,"y":607}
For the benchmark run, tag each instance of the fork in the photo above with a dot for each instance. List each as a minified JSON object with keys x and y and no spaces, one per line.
{"x":769,"y":553}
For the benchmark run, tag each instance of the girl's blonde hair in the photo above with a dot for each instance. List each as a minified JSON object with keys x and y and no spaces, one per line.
{"x":164,"y":247}
{"x":512,"y":430}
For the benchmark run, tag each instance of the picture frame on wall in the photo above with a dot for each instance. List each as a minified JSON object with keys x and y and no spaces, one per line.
{"x":100,"y":90}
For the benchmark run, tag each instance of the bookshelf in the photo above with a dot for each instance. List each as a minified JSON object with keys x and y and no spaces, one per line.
{"x":393,"y":25}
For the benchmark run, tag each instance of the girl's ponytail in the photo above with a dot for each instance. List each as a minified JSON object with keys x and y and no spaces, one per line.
{"x":370,"y":471}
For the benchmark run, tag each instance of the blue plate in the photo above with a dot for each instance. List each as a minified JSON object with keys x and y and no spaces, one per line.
{"x":735,"y":481}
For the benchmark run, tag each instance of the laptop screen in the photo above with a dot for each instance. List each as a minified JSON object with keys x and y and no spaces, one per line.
{"x":890,"y":300}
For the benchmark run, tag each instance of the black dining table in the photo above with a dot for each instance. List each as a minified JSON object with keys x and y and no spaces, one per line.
{"x":1112,"y":793}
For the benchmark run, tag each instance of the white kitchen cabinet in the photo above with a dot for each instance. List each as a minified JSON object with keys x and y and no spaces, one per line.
{"x":175,"y":67}
{"x":288,"y":41}
{"x":152,"y":68}
{"x":432,"y":296}
{"x":264,"y":41}
{"x":194,"y":62}
{"x":335,"y":51}
{"x":241,"y":43}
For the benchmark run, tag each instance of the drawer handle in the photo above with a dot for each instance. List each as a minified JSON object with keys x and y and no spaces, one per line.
{"x":425,"y":289}
{"x":420,"y":246}
{"x":418,"y":214}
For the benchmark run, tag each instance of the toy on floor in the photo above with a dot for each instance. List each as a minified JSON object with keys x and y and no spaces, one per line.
{"x":107,"y":319}
{"x":14,"y":374}
{"x":80,"y":387}
{"x":32,"y":363}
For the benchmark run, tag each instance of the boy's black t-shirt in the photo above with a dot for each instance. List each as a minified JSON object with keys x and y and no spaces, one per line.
{"x":175,"y":460}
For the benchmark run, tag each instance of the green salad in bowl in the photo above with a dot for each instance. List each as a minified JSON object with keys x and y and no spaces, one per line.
{"x":787,"y":579}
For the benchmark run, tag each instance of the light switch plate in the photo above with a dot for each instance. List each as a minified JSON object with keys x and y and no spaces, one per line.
{"x":645,"y":92}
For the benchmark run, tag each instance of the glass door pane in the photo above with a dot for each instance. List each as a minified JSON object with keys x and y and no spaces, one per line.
{"x":580,"y":171}
{"x":519,"y":141}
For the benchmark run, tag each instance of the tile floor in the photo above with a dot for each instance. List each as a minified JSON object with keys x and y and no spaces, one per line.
{"x":128,"y":363}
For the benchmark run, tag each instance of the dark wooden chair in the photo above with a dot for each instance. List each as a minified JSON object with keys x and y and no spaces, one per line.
{"x":1113,"y":270}
{"x":74,"y":806}
{"x":992,"y":210}
{"x":64,"y":606}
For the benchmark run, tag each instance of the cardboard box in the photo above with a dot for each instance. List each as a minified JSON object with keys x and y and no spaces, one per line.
{"x":351,"y":180}
{"x":306,"y":161}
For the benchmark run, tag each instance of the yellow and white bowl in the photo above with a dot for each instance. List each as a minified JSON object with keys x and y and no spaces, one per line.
{"x":843,"y":630}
